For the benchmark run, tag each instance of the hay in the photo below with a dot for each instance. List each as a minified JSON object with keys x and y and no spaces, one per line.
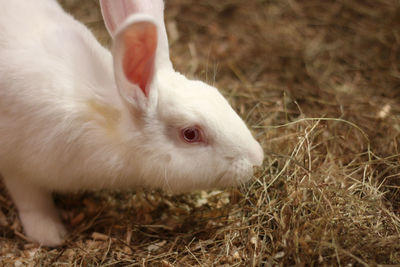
{"x":318,"y":81}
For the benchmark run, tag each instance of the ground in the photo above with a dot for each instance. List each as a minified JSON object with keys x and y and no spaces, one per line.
{"x":318,"y":82}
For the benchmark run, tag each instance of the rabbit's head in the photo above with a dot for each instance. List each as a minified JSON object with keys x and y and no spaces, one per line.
{"x":184,"y":132}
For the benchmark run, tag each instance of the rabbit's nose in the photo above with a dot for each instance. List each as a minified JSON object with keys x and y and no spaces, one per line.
{"x":256,"y":155}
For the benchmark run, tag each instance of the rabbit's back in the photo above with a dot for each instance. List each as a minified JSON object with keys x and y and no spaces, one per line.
{"x":47,"y":56}
{"x":23,"y":20}
{"x":28,"y":67}
{"x":53,"y":75}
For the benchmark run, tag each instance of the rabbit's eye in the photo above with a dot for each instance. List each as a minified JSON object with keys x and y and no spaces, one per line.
{"x":191,"y":135}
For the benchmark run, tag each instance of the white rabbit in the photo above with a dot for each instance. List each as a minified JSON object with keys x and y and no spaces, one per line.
{"x":74,"y":116}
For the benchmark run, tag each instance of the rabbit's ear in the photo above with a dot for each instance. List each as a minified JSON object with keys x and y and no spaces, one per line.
{"x":115,"y":13}
{"x":134,"y":54}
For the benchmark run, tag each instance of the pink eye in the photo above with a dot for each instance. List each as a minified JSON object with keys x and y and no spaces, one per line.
{"x":191,"y":134}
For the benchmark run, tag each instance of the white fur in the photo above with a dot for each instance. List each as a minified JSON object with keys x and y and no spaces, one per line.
{"x":64,"y":127}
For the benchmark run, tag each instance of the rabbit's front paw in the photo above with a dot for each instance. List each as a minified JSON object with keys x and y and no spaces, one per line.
{"x":44,"y":228}
{"x":39,"y":216}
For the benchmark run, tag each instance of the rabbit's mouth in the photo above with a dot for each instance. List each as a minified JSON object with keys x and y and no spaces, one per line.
{"x":232,"y":173}
{"x":238,"y":173}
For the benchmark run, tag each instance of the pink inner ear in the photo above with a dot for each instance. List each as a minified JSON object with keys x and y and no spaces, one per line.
{"x":140,"y":42}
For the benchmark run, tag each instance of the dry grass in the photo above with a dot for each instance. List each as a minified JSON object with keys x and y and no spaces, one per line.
{"x":319,"y":82}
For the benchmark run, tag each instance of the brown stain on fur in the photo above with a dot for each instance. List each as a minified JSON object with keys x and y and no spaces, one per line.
{"x":107,"y":117}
